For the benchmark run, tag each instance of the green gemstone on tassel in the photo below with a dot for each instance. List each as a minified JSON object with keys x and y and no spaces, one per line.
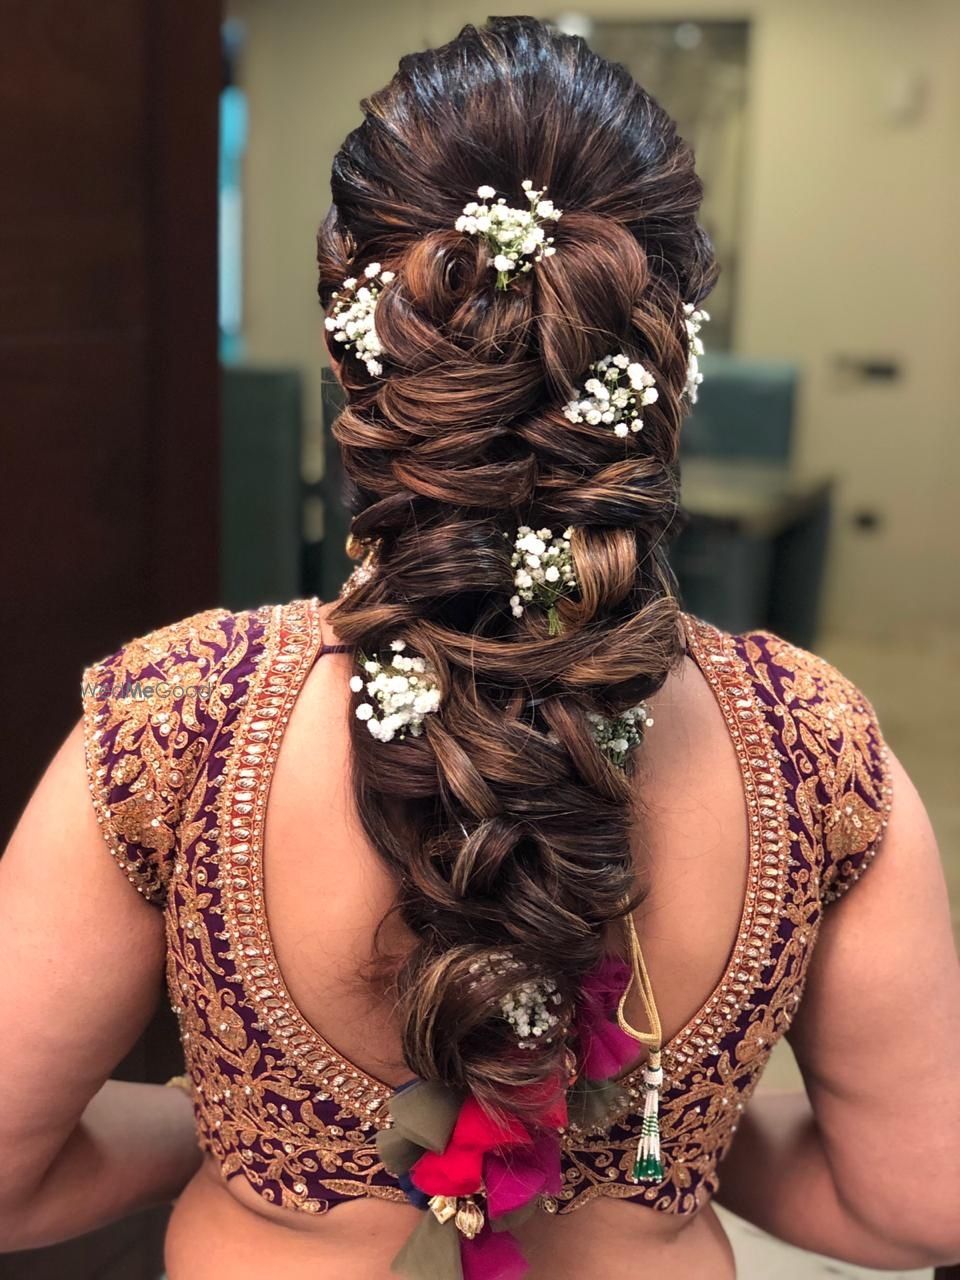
{"x":649,"y":1169}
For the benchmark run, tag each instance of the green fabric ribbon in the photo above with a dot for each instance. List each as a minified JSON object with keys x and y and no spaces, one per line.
{"x":397,"y":1152}
{"x":590,"y":1103}
{"x":423,"y":1118}
{"x":432,"y":1252}
{"x":510,"y":1221}
{"x":425,"y":1113}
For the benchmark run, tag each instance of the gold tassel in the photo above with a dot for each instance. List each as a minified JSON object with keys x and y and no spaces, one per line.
{"x":647,"y":1166}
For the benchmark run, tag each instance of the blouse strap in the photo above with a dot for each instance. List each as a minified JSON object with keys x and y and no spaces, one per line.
{"x":325,"y":648}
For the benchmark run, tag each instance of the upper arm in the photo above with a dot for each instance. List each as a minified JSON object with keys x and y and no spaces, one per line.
{"x":84,"y":950}
{"x":877,"y":1035}
{"x":82,"y":967}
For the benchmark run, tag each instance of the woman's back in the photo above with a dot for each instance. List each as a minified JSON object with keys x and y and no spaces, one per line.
{"x":327,"y":890}
{"x":317,"y":862}
{"x":738,"y":848}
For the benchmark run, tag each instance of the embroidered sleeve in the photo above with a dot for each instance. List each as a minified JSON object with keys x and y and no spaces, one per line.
{"x":836,"y":743}
{"x":147,"y":714}
{"x":858,"y":808}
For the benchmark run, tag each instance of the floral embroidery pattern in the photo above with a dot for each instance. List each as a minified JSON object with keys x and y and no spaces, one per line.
{"x":149,"y":712}
{"x":179,"y":783}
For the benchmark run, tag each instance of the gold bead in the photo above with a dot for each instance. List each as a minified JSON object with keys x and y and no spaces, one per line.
{"x":469,"y":1219}
{"x":444,"y":1207}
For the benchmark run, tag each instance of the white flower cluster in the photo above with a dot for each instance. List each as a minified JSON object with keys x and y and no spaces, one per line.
{"x":511,"y":234}
{"x":352,"y":320}
{"x":616,"y":735}
{"x":526,"y":1007}
{"x":615,"y":395}
{"x":543,"y":569}
{"x":405,"y":690}
{"x":694,"y":319}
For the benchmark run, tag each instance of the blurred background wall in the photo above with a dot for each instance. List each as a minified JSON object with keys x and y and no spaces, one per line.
{"x":109,"y":400}
{"x":846,"y":254}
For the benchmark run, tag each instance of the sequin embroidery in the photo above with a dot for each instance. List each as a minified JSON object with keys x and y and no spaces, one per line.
{"x":180,"y":786}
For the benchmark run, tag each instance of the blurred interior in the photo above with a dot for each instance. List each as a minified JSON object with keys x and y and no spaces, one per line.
{"x":822,"y":460}
{"x":166,"y":438}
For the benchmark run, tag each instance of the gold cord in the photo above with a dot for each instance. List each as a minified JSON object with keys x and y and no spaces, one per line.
{"x":641,"y":978}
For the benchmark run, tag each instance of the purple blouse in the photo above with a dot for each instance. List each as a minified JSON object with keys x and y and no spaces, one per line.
{"x":183,"y":727}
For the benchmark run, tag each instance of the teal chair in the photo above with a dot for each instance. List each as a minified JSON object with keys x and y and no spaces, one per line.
{"x":753,"y":540}
{"x":261,"y":487}
{"x":745,"y":409}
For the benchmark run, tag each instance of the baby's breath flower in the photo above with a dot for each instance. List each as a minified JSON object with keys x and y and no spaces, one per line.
{"x":352,"y":320}
{"x":616,"y":735}
{"x":694,"y":320}
{"x":614,"y":395}
{"x":404,"y":690}
{"x":511,"y":234}
{"x":526,"y":1007}
{"x":544,"y":571}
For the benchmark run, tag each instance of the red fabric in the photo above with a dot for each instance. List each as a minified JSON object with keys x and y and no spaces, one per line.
{"x":550,"y":1098}
{"x":458,"y":1169}
{"x":512,"y":1160}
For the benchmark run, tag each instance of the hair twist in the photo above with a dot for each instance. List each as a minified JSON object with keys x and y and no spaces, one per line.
{"x":504,"y":824}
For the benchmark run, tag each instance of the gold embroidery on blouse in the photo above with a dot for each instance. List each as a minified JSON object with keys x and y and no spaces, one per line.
{"x":256,"y":1084}
{"x":291,"y":648}
{"x":841,"y":734}
{"x":154,"y":754}
{"x":851,"y":826}
{"x":702,"y":1097}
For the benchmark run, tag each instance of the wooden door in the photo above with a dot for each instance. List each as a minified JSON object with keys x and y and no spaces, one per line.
{"x":108,"y":391}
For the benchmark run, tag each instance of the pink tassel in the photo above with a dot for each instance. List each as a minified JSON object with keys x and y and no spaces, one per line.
{"x":515,"y":1177}
{"x":492,"y":1255}
{"x":605,"y":1050}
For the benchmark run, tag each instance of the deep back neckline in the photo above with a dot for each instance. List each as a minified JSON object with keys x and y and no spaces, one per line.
{"x":294,"y":643}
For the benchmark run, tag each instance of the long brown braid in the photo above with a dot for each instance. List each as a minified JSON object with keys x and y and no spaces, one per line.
{"x":504,"y":825}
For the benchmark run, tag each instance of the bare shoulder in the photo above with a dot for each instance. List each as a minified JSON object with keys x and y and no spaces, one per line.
{"x":877,"y":1032}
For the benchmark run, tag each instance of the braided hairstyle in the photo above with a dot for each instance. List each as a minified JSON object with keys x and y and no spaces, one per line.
{"x":504,"y":825}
